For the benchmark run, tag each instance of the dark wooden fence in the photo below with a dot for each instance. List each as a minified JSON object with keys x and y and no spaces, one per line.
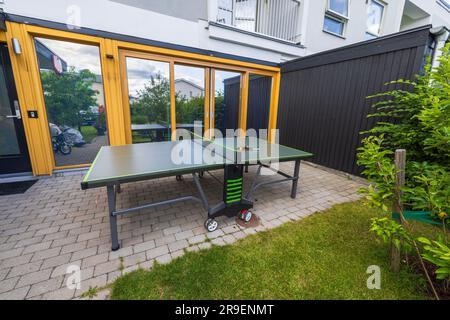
{"x":323,"y":105}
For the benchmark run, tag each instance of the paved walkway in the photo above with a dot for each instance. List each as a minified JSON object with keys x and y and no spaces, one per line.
{"x":55,"y":225}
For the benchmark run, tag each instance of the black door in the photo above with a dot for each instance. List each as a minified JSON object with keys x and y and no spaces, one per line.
{"x":14,"y":156}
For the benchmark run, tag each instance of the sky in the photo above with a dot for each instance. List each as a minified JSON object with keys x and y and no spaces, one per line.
{"x":139,"y":71}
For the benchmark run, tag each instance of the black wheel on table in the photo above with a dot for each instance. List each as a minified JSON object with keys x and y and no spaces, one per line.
{"x":246,"y":215}
{"x":179,"y":178}
{"x":211,"y":225}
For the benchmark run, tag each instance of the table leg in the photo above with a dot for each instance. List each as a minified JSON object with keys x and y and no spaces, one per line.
{"x":112,"y":218}
{"x":295,"y":181}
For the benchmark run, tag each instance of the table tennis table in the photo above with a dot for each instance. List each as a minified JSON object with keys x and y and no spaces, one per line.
{"x":116,"y":165}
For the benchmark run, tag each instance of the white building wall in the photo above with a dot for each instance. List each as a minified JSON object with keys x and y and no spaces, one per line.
{"x":316,"y":40}
{"x":129,"y":20}
{"x":187,"y":90}
{"x":135,"y":19}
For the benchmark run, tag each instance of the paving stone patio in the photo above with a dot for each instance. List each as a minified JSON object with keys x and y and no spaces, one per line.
{"x":55,"y":224}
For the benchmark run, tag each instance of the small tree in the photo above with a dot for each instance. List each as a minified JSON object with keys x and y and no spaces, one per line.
{"x":419,"y":121}
{"x":153,"y":102}
{"x":67,"y":94}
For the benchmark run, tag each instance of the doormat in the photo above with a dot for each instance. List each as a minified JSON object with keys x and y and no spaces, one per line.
{"x":15,"y":187}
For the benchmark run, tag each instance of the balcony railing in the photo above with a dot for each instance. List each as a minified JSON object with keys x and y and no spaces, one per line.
{"x":274,"y":18}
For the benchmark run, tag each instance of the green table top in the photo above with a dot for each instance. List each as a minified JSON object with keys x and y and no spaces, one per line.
{"x":135,"y":162}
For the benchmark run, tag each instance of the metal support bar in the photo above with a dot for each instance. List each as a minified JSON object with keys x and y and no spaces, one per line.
{"x":112,"y":217}
{"x":255,"y":178}
{"x":113,"y":213}
{"x":295,"y":181}
{"x":201,"y":192}
{"x":156,"y":204}
{"x":255,"y":185}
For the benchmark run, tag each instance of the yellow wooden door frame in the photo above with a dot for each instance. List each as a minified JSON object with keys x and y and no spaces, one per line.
{"x":26,"y":75}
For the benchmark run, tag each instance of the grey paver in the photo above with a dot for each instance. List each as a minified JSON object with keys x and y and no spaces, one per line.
{"x":34,"y":277}
{"x":8,"y":284}
{"x":156,"y":252}
{"x":45,"y":286}
{"x":16,"y":294}
{"x":24,"y":269}
{"x":56,"y":225}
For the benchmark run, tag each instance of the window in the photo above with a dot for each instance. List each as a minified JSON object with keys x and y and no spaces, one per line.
{"x":149,"y":95}
{"x":339,"y":7}
{"x":238,"y":13}
{"x":72,"y":84}
{"x":375,"y":12}
{"x":190,"y":98}
{"x":225,"y":11}
{"x":446,"y":3}
{"x":334,"y":25}
{"x":336,"y":17}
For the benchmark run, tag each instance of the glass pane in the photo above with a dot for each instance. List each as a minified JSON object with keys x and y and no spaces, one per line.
{"x":369,"y":36}
{"x":258,"y":109}
{"x":149,"y":94}
{"x":446,"y":3}
{"x":225,"y":11}
{"x":339,"y":6}
{"x":9,"y":144}
{"x":374,"y":17}
{"x":245,"y":14}
{"x":333,"y":26}
{"x":227,"y":93}
{"x":73,"y":92}
{"x":190,"y":98}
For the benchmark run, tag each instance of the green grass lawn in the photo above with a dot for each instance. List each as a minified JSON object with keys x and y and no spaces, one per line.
{"x":89,"y":133}
{"x":324,"y":256}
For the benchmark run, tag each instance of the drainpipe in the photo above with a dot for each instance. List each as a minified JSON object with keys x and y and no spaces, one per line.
{"x":441,"y":37}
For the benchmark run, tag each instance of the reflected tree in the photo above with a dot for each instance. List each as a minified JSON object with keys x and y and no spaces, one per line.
{"x":67,"y":94}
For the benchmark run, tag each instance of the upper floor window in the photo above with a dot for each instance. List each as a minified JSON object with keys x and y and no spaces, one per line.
{"x":338,"y":6}
{"x":446,"y":3}
{"x":239,"y":13}
{"x":275,"y":18}
{"x":375,"y":12}
{"x":336,"y":17}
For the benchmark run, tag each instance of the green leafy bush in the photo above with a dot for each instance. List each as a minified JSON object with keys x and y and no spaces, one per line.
{"x":438,"y":254}
{"x":414,"y":116}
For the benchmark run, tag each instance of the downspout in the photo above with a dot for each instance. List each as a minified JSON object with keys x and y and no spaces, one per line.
{"x":441,"y":37}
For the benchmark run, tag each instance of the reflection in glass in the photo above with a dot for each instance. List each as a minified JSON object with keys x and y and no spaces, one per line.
{"x":258,"y":109}
{"x":73,"y":92}
{"x":9,"y":144}
{"x":333,"y":25}
{"x":339,"y":6}
{"x":149,"y":94}
{"x":374,"y":18}
{"x":227,"y":92}
{"x":190,"y":97}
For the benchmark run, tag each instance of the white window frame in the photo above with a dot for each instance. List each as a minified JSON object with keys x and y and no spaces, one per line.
{"x":444,"y":4}
{"x":331,"y":14}
{"x":332,"y":17}
{"x":233,"y":14}
{"x":337,"y":14}
{"x":380,"y":31}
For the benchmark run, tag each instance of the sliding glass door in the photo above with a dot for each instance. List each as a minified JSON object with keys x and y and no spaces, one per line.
{"x":148,"y":86}
{"x":162,"y":94}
